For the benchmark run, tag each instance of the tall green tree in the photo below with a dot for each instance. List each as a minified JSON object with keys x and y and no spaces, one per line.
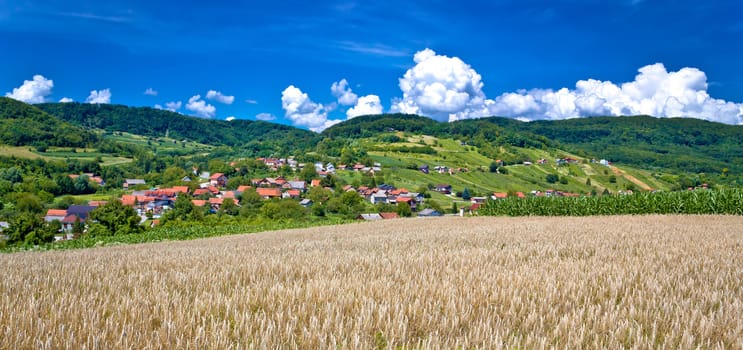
{"x":466,"y":194}
{"x":251,"y":203}
{"x":284,"y":209}
{"x":82,"y":185}
{"x":308,"y":173}
{"x":403,"y":210}
{"x":114,"y":218}
{"x":30,"y":228}
{"x":29,"y":203}
{"x":183,"y":210}
{"x":229,"y":207}
{"x":348,"y":204}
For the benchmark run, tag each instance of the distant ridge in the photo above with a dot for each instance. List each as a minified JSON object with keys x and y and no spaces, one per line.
{"x":679,"y":144}
{"x":683,"y":144}
{"x":157,"y":123}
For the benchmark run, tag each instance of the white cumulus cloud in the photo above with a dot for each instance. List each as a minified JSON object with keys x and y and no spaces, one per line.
{"x":441,"y":87}
{"x":200,"y":107}
{"x":366,"y":105}
{"x":66,"y":100}
{"x":170,"y":106}
{"x":99,"y":96}
{"x":343,"y":93}
{"x":655,"y":91}
{"x":219,"y":97}
{"x":173,"y":105}
{"x":446,"y":88}
{"x":265,"y":116}
{"x":150,"y":92}
{"x":230,"y":118}
{"x":302,"y":111}
{"x":33,"y":91}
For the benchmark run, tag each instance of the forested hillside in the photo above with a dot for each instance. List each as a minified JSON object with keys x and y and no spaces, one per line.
{"x":482,"y":133}
{"x":683,"y":144}
{"x":679,"y":144}
{"x":25,"y":125}
{"x":254,"y":135}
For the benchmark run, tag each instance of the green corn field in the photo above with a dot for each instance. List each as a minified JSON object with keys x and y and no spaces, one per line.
{"x":721,"y":202}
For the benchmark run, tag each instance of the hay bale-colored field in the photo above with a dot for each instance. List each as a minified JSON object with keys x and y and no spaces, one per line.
{"x":597,"y":282}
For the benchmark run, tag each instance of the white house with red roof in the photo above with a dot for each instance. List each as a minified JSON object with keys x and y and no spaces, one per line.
{"x":55,"y":214}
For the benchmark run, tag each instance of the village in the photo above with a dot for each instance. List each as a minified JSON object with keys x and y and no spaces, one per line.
{"x":211,"y":193}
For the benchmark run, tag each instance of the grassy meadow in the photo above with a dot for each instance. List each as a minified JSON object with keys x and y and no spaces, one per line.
{"x":583,"y":177}
{"x":672,"y":282}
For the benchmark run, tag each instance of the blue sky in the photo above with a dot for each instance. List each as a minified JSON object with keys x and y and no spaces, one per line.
{"x":444,"y":59}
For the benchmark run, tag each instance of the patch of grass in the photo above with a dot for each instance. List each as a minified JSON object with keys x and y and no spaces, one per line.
{"x":20,"y":152}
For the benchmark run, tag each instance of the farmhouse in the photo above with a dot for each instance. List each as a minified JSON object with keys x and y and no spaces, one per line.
{"x":478,"y":199}
{"x":243,"y":188}
{"x":387,"y":216}
{"x":428,"y":212}
{"x":443,"y":188}
{"x":128,"y":183}
{"x":218,"y":180}
{"x":55,"y":214}
{"x":296,"y":185}
{"x":369,"y":217}
{"x":268,"y":193}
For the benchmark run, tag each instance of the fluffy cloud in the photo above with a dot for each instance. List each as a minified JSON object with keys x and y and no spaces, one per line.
{"x":447,"y":88}
{"x":150,"y":92}
{"x":170,"y":106}
{"x":99,"y":96}
{"x":441,"y":87}
{"x":265,"y":116}
{"x":304,"y":112}
{"x":173,"y":105}
{"x":66,"y":100}
{"x":366,"y":105}
{"x":200,"y":107}
{"x":230,"y":118}
{"x":33,"y":91}
{"x":219,"y":97}
{"x":343,"y":93}
{"x":655,"y":91}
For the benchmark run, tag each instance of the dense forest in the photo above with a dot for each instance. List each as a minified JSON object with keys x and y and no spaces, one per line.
{"x":22,"y":124}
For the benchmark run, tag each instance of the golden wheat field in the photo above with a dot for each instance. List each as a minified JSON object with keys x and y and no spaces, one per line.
{"x":599,"y":282}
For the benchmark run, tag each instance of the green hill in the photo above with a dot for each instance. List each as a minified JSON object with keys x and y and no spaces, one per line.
{"x":245,"y":134}
{"x":486,"y":155}
{"x":403,"y":154}
{"x":682,"y":144}
{"x":22,"y":124}
{"x":679,"y":145}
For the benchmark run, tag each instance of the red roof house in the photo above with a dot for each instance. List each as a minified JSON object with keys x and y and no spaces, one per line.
{"x":218,"y":179}
{"x":387,"y":216}
{"x":268,"y":193}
